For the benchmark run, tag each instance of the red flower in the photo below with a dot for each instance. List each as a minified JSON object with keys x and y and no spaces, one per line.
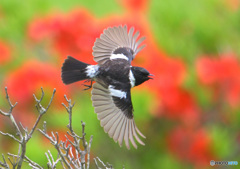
{"x":191,"y":145}
{"x":134,"y":6}
{"x":73,"y":34}
{"x":233,"y":4}
{"x":44,"y":28}
{"x":175,"y":102}
{"x":221,"y":73}
{"x":5,"y":53}
{"x":29,"y":79}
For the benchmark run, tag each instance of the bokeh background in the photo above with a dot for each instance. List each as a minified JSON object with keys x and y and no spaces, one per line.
{"x":190,"y":112}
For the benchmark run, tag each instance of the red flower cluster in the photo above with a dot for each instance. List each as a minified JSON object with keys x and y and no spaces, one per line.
{"x":135,"y":6}
{"x":5,"y":53}
{"x":191,"y":145}
{"x":29,"y":79}
{"x":223,"y":75}
{"x":233,"y":4}
{"x":73,"y":34}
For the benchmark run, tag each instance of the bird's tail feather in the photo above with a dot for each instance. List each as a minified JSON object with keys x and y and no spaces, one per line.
{"x":73,"y":70}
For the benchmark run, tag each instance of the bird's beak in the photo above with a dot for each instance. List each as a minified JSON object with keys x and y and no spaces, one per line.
{"x":150,"y":75}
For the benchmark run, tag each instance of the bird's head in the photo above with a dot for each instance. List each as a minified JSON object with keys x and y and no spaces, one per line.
{"x":140,"y":74}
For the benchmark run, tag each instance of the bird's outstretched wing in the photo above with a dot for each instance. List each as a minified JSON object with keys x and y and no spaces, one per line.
{"x":117,"y":38}
{"x":115,"y":112}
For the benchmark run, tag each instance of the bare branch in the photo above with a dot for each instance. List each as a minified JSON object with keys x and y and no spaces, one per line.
{"x":55,"y":142}
{"x":9,"y":114}
{"x":83,"y":135}
{"x":17,"y":160}
{"x":51,"y":163}
{"x":70,"y":141}
{"x":7,"y":134}
{"x":73,"y":134}
{"x":66,"y":155}
{"x":88,"y":151}
{"x":41,"y":111}
{"x":107,"y":166}
{"x":50,"y":102}
{"x":33,"y":164}
{"x":40,"y":108}
{"x":96,"y":163}
{"x":10,"y":104}
{"x":44,"y":126}
{"x":4,"y":163}
{"x":69,"y":110}
{"x":14,"y":162}
{"x":26,"y":159}
{"x":101,"y":162}
{"x":27,"y":137}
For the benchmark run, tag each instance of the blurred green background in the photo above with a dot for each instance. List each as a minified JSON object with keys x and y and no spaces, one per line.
{"x":189,"y":113}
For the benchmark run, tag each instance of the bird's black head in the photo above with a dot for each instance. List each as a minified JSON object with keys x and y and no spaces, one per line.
{"x":140,"y":74}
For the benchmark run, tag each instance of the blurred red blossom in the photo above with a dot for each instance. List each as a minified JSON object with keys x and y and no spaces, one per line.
{"x":135,"y":6}
{"x":175,"y":102}
{"x":234,"y":4}
{"x":43,"y":28}
{"x":178,"y":103}
{"x":28,"y":79}
{"x":72,"y":34}
{"x":5,"y":52}
{"x":222,"y":74}
{"x":193,"y":145}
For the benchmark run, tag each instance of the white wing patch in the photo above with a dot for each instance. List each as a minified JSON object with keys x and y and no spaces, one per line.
{"x":91,"y":70}
{"x":118,"y":56}
{"x":131,"y":78}
{"x":117,"y":93}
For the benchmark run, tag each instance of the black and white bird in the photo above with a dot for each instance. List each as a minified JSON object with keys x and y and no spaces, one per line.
{"x":114,"y":77}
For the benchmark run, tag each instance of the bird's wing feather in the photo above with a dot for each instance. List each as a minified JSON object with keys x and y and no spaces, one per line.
{"x":115,"y":115}
{"x":114,"y":38}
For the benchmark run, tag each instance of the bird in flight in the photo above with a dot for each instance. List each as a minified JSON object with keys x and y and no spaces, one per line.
{"x":114,"y":77}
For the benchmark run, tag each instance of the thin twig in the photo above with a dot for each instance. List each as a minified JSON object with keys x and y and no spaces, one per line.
{"x":55,"y":142}
{"x":4,"y":163}
{"x":9,"y":114}
{"x":73,"y":134}
{"x":17,"y":160}
{"x":42,"y":111}
{"x":26,"y":159}
{"x":88,"y":151}
{"x":14,"y":161}
{"x":51,"y":162}
{"x":27,"y":137}
{"x":7,"y":134}
{"x":107,"y":166}
{"x":33,"y":163}
{"x":101,"y":162}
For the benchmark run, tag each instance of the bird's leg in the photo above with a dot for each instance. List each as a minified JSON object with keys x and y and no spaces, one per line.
{"x":88,"y":86}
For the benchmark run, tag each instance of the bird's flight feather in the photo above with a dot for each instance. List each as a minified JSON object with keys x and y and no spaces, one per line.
{"x":113,"y":119}
{"x":114,"y":38}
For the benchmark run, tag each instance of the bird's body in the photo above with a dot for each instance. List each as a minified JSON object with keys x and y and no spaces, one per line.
{"x":114,"y":76}
{"x":115,"y":72}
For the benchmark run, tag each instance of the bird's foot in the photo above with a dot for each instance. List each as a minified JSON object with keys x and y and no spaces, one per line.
{"x":87,"y":86}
